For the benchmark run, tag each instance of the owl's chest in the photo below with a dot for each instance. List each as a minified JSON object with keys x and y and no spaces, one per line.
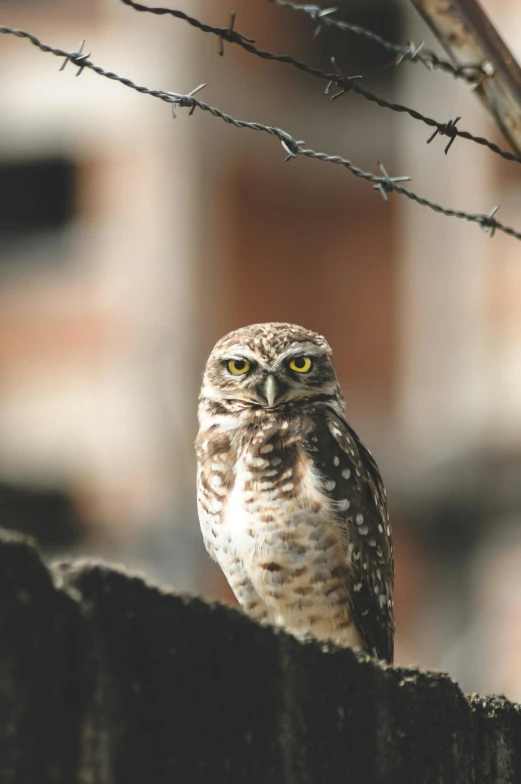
{"x":276,"y":511}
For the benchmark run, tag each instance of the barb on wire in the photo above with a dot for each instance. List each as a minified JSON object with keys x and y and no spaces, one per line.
{"x":319,"y":16}
{"x":346,"y":82}
{"x":488,"y":222}
{"x":178,"y":99}
{"x":471,"y":73}
{"x":343,"y":82}
{"x":385,"y":183}
{"x":78,"y":58}
{"x":449,"y":129}
{"x":291,"y":146}
{"x":411,"y":54}
{"x":230,"y":32}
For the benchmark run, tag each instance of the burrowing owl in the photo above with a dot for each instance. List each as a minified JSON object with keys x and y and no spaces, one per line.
{"x":291,"y":503}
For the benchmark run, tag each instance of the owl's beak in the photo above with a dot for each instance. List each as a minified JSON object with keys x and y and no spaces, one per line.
{"x":270,"y":389}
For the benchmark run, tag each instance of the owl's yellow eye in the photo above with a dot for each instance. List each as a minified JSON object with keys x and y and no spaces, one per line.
{"x":300,"y":364}
{"x":238,"y":367}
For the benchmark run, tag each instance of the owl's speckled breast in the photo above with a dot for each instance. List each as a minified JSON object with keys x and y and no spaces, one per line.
{"x":278,"y":522}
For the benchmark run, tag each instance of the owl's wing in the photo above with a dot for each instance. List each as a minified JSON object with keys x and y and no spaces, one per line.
{"x":352,"y":480}
{"x":215,"y":460}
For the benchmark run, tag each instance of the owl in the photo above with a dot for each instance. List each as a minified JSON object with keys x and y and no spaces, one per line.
{"x":291,"y":503}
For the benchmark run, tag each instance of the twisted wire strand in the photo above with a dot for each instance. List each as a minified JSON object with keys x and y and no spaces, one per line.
{"x":384,"y":184}
{"x":471,"y":73}
{"x":344,"y":83}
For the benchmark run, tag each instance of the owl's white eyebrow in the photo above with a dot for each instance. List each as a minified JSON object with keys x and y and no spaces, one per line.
{"x":298,"y":349}
{"x":302,"y":349}
{"x":236,"y":352}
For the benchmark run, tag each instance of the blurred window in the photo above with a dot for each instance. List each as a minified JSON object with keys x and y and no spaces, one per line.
{"x":36,"y":196}
{"x":356,"y":55}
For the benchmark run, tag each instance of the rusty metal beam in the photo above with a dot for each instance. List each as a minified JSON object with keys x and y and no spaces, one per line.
{"x":468,"y":35}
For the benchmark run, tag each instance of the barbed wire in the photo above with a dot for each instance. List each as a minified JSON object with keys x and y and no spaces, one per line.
{"x":471,"y":73}
{"x":383,"y":182}
{"x":344,"y":83}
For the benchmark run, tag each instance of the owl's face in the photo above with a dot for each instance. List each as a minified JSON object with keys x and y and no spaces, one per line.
{"x":267,"y":365}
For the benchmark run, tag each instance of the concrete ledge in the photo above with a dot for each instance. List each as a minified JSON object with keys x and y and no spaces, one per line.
{"x":108,"y":680}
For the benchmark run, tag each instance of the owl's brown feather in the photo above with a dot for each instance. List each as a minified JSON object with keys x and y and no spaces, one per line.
{"x":365,"y":528}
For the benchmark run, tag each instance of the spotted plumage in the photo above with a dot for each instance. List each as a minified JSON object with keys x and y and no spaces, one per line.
{"x":291,"y":503}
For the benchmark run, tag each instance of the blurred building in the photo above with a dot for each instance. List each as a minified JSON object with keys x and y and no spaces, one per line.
{"x":129,"y":242}
{"x":98,"y":257}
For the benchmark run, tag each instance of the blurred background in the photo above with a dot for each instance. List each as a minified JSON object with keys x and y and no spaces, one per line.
{"x":130,"y":242}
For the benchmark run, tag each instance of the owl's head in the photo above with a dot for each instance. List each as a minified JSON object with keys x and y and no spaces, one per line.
{"x":268,"y":365}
